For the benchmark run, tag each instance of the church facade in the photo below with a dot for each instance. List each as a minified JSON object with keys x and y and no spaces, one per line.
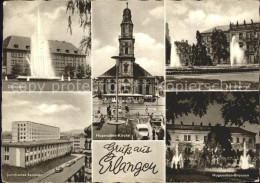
{"x":132,"y":78}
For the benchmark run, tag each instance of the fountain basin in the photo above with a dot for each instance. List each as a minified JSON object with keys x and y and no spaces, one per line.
{"x":35,"y":78}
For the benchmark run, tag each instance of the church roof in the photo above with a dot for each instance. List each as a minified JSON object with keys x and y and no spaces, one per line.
{"x":139,"y":72}
{"x":224,"y":28}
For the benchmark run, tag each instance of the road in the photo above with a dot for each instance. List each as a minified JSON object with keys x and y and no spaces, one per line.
{"x":67,"y":172}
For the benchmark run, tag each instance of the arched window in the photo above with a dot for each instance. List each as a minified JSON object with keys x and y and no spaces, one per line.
{"x":125,"y":68}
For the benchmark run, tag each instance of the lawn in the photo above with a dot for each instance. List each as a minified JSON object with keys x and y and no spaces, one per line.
{"x":37,"y":169}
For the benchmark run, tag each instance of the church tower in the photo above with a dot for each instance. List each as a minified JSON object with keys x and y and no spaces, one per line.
{"x":126,"y":45}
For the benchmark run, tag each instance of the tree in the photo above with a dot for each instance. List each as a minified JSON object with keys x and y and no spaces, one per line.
{"x":237,"y":108}
{"x":16,"y":69}
{"x":81,"y":71}
{"x":168,"y":138}
{"x":218,"y":146}
{"x":69,"y":71}
{"x":83,"y":9}
{"x":199,"y":52}
{"x":219,"y":45}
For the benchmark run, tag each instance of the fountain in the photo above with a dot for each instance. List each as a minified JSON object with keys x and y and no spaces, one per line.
{"x":244,"y":162}
{"x":175,"y":59}
{"x":237,"y":55}
{"x":40,"y":59}
{"x":177,"y":159}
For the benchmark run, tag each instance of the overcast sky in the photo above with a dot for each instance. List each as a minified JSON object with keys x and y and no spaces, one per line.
{"x":148,"y":20}
{"x":68,"y":111}
{"x":20,"y":19}
{"x":186,"y":17}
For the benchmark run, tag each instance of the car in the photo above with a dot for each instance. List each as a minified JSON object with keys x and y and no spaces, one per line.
{"x":68,"y":164}
{"x":58,"y":169}
{"x":98,"y":119}
{"x":141,"y":132}
{"x":156,"y":122}
{"x":73,"y":161}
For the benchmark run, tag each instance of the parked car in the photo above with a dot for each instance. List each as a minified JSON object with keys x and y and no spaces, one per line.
{"x":156,"y":122}
{"x":98,"y":119}
{"x":141,"y":132}
{"x":58,"y":169}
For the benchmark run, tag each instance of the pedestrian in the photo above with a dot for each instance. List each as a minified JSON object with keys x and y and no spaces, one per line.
{"x":98,"y":111}
{"x":153,"y":132}
{"x":126,"y":109}
{"x":146,"y":109}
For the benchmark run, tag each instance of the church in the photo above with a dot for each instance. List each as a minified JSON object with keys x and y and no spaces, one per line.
{"x":133,"y":80}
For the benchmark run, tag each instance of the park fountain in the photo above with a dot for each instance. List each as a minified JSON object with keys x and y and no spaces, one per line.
{"x":244,"y":159}
{"x":237,"y":55}
{"x":177,"y":159}
{"x":175,"y":59}
{"x":40,"y":58}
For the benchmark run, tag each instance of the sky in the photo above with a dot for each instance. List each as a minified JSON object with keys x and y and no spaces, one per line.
{"x":68,"y":111}
{"x":20,"y":19}
{"x":186,"y":17}
{"x":148,"y":20}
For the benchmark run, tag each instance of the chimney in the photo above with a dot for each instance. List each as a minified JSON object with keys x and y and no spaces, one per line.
{"x":209,"y":123}
{"x":252,"y":22}
{"x":181,"y":124}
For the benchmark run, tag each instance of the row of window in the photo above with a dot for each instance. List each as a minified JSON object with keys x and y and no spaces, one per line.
{"x":50,"y":146}
{"x":188,"y":138}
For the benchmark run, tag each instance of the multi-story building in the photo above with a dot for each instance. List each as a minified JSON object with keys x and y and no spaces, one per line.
{"x":78,"y":142}
{"x":23,"y":154}
{"x":88,"y":154}
{"x":24,"y":131}
{"x":191,"y":138}
{"x":132,"y":78}
{"x":183,"y":51}
{"x":16,"y":51}
{"x":247,"y":34}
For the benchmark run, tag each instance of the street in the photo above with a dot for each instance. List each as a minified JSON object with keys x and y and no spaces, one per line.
{"x":137,"y":115}
{"x":62,"y":176}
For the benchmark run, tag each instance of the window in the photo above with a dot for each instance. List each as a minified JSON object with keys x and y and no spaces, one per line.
{"x":67,"y":51}
{"x":244,"y":139}
{"x":231,"y":140}
{"x":76,"y":52}
{"x":237,"y":140}
{"x":250,"y":140}
{"x":26,"y":158}
{"x":125,"y":68}
{"x":177,"y":138}
{"x":6,"y":149}
{"x":205,"y":138}
{"x":35,"y":156}
{"x":16,"y":46}
{"x":58,"y":50}
{"x":197,"y":138}
{"x":6,"y":157}
{"x":27,"y":47}
{"x":31,"y":157}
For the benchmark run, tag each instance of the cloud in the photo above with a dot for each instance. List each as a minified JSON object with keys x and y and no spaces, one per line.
{"x":146,"y":21}
{"x":157,"y":12}
{"x":55,"y":108}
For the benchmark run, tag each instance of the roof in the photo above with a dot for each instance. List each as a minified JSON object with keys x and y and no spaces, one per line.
{"x":24,"y":42}
{"x":138,"y":72}
{"x":35,"y":123}
{"x":123,"y":95}
{"x":35,"y":143}
{"x":224,"y":28}
{"x":206,"y":128}
{"x":78,"y":135}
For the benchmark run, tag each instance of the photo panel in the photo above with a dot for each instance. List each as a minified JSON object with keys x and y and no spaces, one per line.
{"x":46,"y":46}
{"x":212,"y":136}
{"x":128,"y":70}
{"x":46,"y":137}
{"x":212,"y":45}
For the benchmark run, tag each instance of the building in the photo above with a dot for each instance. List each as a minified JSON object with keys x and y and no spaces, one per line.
{"x":23,"y":154}
{"x":132,"y":78}
{"x":247,"y":34}
{"x":78,"y":142}
{"x":65,"y":56}
{"x":182,"y":47}
{"x":183,"y":51}
{"x":88,"y":153}
{"x":24,"y":131}
{"x":191,"y":138}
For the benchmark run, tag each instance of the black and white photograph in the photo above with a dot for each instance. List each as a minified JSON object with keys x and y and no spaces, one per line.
{"x":128,"y":70}
{"x":46,"y":137}
{"x":212,"y":45}
{"x":212,"y":137}
{"x":46,"y":46}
